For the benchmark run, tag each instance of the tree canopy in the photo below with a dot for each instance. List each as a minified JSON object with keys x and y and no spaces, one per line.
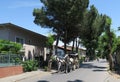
{"x":61,"y":15}
{"x":72,"y":19}
{"x":93,"y":26}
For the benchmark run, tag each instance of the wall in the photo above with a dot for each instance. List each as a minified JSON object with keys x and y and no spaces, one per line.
{"x":34,"y":43}
{"x":4,"y":34}
{"x":10,"y":70}
{"x":29,"y":37}
{"x":31,"y":51}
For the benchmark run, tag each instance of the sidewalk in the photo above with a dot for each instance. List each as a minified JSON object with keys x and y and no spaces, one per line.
{"x":112,"y":77}
{"x":22,"y":76}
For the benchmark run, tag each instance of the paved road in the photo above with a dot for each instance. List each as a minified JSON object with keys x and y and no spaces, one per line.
{"x":89,"y":72}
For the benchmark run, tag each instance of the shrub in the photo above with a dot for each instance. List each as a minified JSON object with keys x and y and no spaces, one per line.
{"x":8,"y":46}
{"x":29,"y":65}
{"x":82,"y":59}
{"x":45,"y":68}
{"x":17,"y":61}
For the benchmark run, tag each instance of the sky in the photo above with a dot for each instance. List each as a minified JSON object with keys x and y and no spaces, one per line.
{"x":19,"y":12}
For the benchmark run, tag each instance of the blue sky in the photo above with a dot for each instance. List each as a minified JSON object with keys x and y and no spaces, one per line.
{"x":19,"y":12}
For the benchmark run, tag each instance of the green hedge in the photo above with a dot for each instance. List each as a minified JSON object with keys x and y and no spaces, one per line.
{"x":30,"y":65}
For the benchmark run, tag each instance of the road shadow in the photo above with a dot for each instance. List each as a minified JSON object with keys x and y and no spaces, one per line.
{"x":94,"y":67}
{"x":102,"y":61}
{"x":86,"y":65}
{"x":99,"y":67}
{"x":58,"y":73}
{"x":42,"y":81}
{"x":76,"y":81}
{"x":100,"y":70}
{"x":90,"y":65}
{"x":54,"y":72}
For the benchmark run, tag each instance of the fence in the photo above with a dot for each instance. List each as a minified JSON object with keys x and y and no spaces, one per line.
{"x":10,"y":59}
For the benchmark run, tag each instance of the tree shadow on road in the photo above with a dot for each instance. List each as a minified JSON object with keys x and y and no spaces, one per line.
{"x":94,"y":67}
{"x":86,"y":65}
{"x":100,"y":67}
{"x":76,"y":81}
{"x":100,"y":70}
{"x":42,"y":81}
{"x":89,"y":65}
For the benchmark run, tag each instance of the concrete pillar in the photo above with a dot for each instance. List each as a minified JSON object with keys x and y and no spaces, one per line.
{"x":44,"y":54}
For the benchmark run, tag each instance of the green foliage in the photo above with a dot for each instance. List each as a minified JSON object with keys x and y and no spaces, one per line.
{"x":108,"y":20}
{"x":8,"y":46}
{"x":117,"y":60}
{"x":29,"y":65}
{"x":92,"y":27}
{"x":53,"y":58}
{"x":118,"y":44}
{"x":45,"y":68}
{"x":50,"y":40}
{"x":17,"y":61}
{"x":82,"y":59}
{"x":61,"y":16}
{"x":103,"y":48}
{"x":71,"y":19}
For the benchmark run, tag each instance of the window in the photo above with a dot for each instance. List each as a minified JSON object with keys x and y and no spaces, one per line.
{"x":19,"y":40}
{"x":29,"y":42}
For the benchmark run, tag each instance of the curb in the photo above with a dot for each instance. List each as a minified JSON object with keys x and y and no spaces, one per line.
{"x":43,"y":73}
{"x":114,"y":74}
{"x":26,"y":75}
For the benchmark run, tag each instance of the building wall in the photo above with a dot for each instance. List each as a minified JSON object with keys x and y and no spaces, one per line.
{"x":4,"y":34}
{"x":13,"y":33}
{"x":33,"y":43}
{"x":32,"y":51}
{"x":29,"y":37}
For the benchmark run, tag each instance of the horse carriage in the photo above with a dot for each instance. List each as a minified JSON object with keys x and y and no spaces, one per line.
{"x":74,"y":59}
{"x":68,"y":62}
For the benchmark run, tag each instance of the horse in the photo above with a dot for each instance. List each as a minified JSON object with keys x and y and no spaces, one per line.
{"x":69,"y":63}
{"x":65,"y":64}
{"x":60,"y":63}
{"x":74,"y":59}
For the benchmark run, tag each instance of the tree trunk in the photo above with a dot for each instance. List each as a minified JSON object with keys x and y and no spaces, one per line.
{"x":65,"y":50}
{"x":50,"y":60}
{"x":49,"y":65}
{"x":111,"y":62}
{"x":73,"y":45}
{"x":90,"y":53}
{"x":65,"y":38}
{"x":87,"y":51}
{"x":57,"y":41}
{"x":76,"y":45}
